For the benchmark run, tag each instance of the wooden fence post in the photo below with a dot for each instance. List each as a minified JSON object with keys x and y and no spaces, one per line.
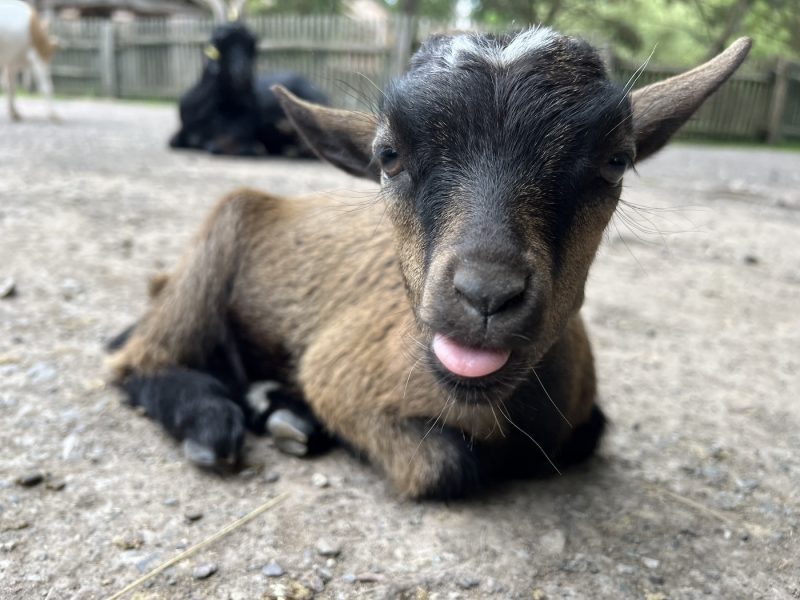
{"x":108,"y":60}
{"x":405,"y":32}
{"x":777,"y":102}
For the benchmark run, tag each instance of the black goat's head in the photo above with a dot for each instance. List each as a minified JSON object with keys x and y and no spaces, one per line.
{"x":501,"y":160}
{"x":232,"y":55}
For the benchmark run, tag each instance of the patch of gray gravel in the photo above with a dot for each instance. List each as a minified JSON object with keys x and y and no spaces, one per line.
{"x":692,"y":306}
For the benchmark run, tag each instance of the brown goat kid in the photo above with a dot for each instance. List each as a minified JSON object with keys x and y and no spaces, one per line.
{"x":442,"y":342}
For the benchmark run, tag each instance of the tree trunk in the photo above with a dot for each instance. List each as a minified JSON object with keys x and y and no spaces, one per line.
{"x":555,"y":8}
{"x":410,"y":7}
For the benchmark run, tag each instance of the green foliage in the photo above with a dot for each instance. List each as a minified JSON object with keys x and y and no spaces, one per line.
{"x":519,"y":11}
{"x":675,"y":31}
{"x":295,"y":7}
{"x":432,"y":9}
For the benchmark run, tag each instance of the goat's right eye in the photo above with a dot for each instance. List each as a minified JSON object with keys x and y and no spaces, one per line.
{"x":390,"y":162}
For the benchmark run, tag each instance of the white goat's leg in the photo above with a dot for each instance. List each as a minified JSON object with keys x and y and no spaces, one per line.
{"x":41,"y":73}
{"x":27,"y":82}
{"x":11,"y":82}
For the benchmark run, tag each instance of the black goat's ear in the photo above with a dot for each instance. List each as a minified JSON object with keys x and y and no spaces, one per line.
{"x":661,"y":108}
{"x":343,"y":138}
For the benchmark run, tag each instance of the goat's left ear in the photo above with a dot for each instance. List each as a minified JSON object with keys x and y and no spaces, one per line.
{"x":343,"y":138}
{"x":661,"y":108}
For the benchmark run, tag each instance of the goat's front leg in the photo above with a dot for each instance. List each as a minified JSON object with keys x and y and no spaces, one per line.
{"x":44,"y":83}
{"x":385,"y":413}
{"x":11,"y":86}
{"x":179,"y":363}
{"x":421,"y":458}
{"x":195,"y":408}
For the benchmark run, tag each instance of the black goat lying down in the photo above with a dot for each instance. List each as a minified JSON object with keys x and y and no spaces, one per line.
{"x":231,"y":111}
{"x":436,"y":332}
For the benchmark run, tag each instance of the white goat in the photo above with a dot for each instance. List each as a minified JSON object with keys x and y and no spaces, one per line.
{"x":24,"y":42}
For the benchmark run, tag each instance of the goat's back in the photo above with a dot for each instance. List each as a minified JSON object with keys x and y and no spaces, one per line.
{"x":308,"y":259}
{"x":294,"y":82}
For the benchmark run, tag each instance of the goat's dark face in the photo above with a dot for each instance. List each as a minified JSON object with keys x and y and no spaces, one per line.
{"x":235,"y":55}
{"x":502,"y":162}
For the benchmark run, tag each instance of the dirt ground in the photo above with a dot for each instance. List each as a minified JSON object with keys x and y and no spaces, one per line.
{"x":692,"y":306}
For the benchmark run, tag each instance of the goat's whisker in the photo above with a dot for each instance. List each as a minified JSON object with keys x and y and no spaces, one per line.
{"x":546,"y":393}
{"x":530,"y":437}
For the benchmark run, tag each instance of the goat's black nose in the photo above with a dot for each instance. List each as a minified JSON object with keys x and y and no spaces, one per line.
{"x":489,"y":288}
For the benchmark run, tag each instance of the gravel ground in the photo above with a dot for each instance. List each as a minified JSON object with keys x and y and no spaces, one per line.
{"x":692,"y":306}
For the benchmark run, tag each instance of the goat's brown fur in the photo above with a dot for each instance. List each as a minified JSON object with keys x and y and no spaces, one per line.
{"x":42,"y":42}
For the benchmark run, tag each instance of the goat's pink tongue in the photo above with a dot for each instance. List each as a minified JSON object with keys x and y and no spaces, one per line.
{"x":468,"y":362}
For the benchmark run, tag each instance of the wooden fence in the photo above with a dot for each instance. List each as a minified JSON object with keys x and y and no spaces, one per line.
{"x":351,"y":60}
{"x":160,"y":59}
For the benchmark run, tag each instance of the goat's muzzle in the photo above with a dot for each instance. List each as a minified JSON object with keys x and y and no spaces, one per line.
{"x":489,"y":289}
{"x":481,"y":312}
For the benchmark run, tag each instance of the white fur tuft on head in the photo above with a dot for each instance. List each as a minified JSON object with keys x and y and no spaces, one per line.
{"x":521,"y":45}
{"x":527,"y":42}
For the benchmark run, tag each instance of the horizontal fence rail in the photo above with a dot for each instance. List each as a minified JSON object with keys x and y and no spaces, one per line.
{"x":352,"y":60}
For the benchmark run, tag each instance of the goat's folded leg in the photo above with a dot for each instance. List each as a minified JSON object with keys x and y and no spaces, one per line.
{"x":421,"y":459}
{"x":195,"y":408}
{"x":424,"y":460}
{"x":204,"y":408}
{"x":365,"y":402}
{"x":273,"y":408}
{"x":179,"y":362}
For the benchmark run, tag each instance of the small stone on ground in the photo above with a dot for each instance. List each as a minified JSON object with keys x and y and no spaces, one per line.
{"x":8,"y":288}
{"x":291,"y":590}
{"x":468,"y":582}
{"x":204,"y":571}
{"x":30,"y":479}
{"x":319,"y":480}
{"x":328,"y":547}
{"x":192,"y":515}
{"x":273,"y":569}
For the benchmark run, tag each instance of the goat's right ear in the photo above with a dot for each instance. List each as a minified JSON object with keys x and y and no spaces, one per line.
{"x":343,"y":138}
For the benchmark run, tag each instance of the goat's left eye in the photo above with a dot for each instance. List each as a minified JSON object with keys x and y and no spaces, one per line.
{"x":390,"y":162}
{"x":616,"y":167}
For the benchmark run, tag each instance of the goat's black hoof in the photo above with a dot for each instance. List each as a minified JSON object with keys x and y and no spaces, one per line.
{"x":259,"y":404}
{"x":273,"y":409}
{"x":201,"y":455}
{"x":291,"y":432}
{"x":216,"y":438}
